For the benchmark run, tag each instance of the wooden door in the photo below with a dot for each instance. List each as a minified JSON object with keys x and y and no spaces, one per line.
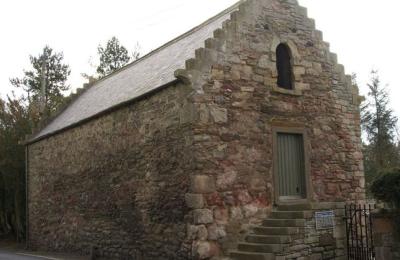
{"x":291,"y":166}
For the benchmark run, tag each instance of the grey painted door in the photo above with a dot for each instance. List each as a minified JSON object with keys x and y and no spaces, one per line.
{"x":291,"y":166}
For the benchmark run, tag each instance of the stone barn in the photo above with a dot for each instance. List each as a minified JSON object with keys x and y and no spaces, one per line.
{"x":239,"y":139}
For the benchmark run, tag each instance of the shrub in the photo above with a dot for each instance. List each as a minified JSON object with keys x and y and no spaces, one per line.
{"x":387,"y":187}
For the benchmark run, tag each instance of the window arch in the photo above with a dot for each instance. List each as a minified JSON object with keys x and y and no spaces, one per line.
{"x":284,"y":66}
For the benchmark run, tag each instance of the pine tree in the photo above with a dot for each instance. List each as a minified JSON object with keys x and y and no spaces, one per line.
{"x":379,"y":123}
{"x":45,"y":82}
{"x":112,"y":57}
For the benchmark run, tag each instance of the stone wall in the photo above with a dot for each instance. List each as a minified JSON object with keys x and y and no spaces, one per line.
{"x":116,"y":183}
{"x":328,"y":243}
{"x":239,"y":104}
{"x":386,"y":234}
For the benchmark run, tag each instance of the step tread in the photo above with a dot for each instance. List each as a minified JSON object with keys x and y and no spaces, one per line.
{"x":261,"y":230}
{"x":251,"y":243}
{"x":269,"y":236}
{"x":272,"y":222}
{"x":269,"y":239}
{"x":291,"y":211}
{"x":291,"y":207}
{"x":252,"y":256}
{"x":284,"y":218}
{"x":291,"y":214}
{"x":277,"y":228}
{"x":248,"y":253}
{"x":259,"y":247}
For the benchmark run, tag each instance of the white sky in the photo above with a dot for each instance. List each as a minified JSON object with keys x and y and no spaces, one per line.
{"x":364,"y":33}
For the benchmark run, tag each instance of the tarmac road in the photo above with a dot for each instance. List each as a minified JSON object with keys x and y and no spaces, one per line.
{"x":4,"y":255}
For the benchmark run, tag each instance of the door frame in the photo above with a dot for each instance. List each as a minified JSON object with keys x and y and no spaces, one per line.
{"x":306,"y":146}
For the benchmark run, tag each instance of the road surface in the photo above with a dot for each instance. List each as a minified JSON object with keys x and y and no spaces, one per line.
{"x":4,"y":255}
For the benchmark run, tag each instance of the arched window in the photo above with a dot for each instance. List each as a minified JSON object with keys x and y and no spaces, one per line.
{"x":284,"y":67}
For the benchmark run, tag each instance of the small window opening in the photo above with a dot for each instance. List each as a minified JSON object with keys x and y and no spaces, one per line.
{"x":284,"y":67}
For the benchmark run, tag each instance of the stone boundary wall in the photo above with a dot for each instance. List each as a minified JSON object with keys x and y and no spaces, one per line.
{"x":116,"y":183}
{"x":386,"y":234}
{"x":317,"y":244}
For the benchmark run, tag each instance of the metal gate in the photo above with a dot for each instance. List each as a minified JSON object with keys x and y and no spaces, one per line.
{"x":360,"y":243}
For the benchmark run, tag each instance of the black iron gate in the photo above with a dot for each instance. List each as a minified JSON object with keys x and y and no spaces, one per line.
{"x":360,"y":243}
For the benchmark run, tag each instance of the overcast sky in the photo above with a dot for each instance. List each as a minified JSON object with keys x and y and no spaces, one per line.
{"x":364,"y":33}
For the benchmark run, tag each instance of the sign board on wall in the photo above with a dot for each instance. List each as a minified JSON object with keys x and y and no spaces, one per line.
{"x":324,"y":220}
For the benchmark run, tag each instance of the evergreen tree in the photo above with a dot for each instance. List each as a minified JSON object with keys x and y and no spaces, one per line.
{"x":14,"y":126}
{"x":112,"y":57}
{"x":379,"y":123}
{"x":44,"y":85}
{"x":45,"y":82}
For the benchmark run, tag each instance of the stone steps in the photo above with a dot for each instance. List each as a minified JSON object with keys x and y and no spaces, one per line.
{"x":264,"y":241}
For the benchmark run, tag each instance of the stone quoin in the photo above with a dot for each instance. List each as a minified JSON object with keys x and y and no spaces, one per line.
{"x":214,"y":146}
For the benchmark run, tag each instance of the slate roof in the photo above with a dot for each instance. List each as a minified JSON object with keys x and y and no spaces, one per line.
{"x":145,"y":75}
